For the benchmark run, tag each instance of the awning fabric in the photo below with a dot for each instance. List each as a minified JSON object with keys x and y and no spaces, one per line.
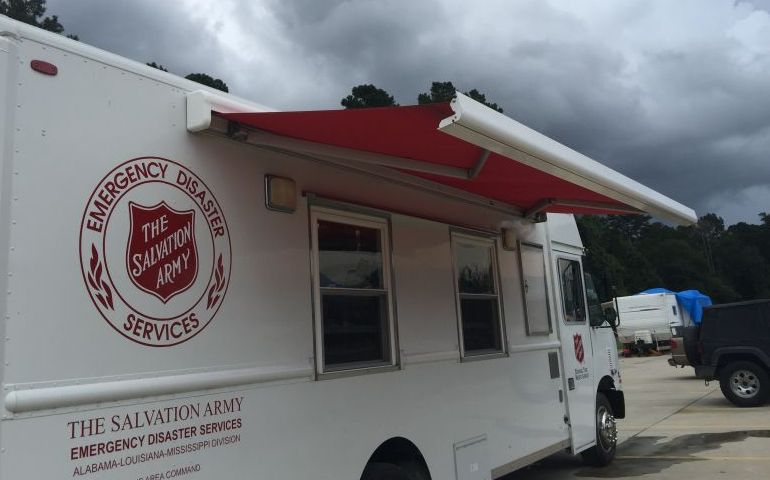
{"x":521,"y":167}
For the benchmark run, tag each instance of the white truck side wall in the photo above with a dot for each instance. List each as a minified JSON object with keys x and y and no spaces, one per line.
{"x":256,"y":356}
{"x":8,"y":73}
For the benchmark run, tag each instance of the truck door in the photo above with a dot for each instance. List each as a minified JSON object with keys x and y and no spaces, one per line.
{"x":577,"y":351}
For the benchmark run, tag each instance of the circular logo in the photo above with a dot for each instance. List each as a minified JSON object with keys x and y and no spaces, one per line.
{"x":155,"y":251}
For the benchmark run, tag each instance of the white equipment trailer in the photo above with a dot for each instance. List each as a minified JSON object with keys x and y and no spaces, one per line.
{"x":196,"y":287}
{"x":647,"y":320}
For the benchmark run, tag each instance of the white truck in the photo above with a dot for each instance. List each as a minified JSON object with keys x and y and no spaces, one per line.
{"x":197,"y":286}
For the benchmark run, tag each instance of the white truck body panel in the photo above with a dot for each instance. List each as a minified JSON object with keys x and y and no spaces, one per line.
{"x":239,"y":396}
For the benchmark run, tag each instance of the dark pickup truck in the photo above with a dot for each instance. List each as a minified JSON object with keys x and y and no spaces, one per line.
{"x":732,"y":345}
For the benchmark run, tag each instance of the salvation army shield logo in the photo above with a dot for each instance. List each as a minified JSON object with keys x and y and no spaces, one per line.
{"x":162,"y":257}
{"x":155,"y":251}
{"x":577,"y":339}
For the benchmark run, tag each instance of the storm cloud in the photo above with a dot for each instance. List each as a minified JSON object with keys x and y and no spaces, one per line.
{"x":672,"y":94}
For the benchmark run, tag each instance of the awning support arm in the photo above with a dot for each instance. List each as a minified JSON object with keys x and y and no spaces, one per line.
{"x":474,"y":172}
{"x":265,"y":139}
{"x":235,"y":131}
{"x":537,"y":212}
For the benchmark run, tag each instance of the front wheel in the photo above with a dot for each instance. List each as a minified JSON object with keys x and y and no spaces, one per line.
{"x":603,"y":452}
{"x":745,"y":384}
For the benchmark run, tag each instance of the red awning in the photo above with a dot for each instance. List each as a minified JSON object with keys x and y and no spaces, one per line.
{"x":468,"y":146}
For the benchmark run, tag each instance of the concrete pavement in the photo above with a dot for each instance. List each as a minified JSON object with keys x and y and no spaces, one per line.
{"x":675,"y":428}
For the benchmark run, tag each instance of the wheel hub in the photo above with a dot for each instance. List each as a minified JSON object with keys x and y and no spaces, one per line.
{"x":744,"y":383}
{"x":607,"y":428}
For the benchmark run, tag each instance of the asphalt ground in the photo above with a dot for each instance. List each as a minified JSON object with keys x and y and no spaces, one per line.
{"x":676,"y":427}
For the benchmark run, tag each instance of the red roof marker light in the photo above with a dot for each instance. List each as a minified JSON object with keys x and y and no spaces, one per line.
{"x":43,"y":67}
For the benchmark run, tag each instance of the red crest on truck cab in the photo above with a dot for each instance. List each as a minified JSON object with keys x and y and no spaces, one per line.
{"x":162,"y":256}
{"x":580,"y":354}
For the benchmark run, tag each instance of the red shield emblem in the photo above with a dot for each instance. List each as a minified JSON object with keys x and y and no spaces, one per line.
{"x":162,"y":257}
{"x":579,"y":352}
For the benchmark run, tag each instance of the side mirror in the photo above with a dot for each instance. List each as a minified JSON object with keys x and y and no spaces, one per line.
{"x":612,"y":317}
{"x":595,"y":315}
{"x":599,"y":315}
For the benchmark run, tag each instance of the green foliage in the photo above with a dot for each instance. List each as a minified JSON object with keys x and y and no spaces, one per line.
{"x":208,"y":80}
{"x":445,"y":91}
{"x":439,"y":92}
{"x":628,"y":254}
{"x":157,"y":65}
{"x":368,"y":96}
{"x":481,"y":98}
{"x":201,"y":78}
{"x":743,"y":267}
{"x":619,"y":268}
{"x":32,"y":12}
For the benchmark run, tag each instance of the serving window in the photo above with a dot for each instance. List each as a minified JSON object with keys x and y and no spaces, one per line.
{"x":535,"y":289}
{"x":478,"y":295}
{"x":352,"y":291}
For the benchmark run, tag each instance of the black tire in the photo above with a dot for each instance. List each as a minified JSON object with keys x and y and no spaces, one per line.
{"x":384,"y":471}
{"x":744,"y":383}
{"x":603,"y":452}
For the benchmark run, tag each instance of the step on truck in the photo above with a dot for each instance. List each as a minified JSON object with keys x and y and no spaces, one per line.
{"x":197,"y":285}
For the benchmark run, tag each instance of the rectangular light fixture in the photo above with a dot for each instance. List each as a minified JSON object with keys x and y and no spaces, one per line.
{"x":510,"y":241}
{"x":280,"y":193}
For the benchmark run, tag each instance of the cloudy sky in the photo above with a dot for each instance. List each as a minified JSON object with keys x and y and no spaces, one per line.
{"x":674,"y":94}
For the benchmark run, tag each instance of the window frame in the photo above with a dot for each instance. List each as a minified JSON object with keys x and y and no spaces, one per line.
{"x":366,"y":220}
{"x":528,"y":330}
{"x":581,"y":282}
{"x":461,"y":235}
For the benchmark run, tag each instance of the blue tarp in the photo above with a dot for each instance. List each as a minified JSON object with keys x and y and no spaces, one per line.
{"x":692,"y":301}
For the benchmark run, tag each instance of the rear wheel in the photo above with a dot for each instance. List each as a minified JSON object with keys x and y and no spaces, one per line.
{"x":745,"y":384}
{"x":603,"y":452}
